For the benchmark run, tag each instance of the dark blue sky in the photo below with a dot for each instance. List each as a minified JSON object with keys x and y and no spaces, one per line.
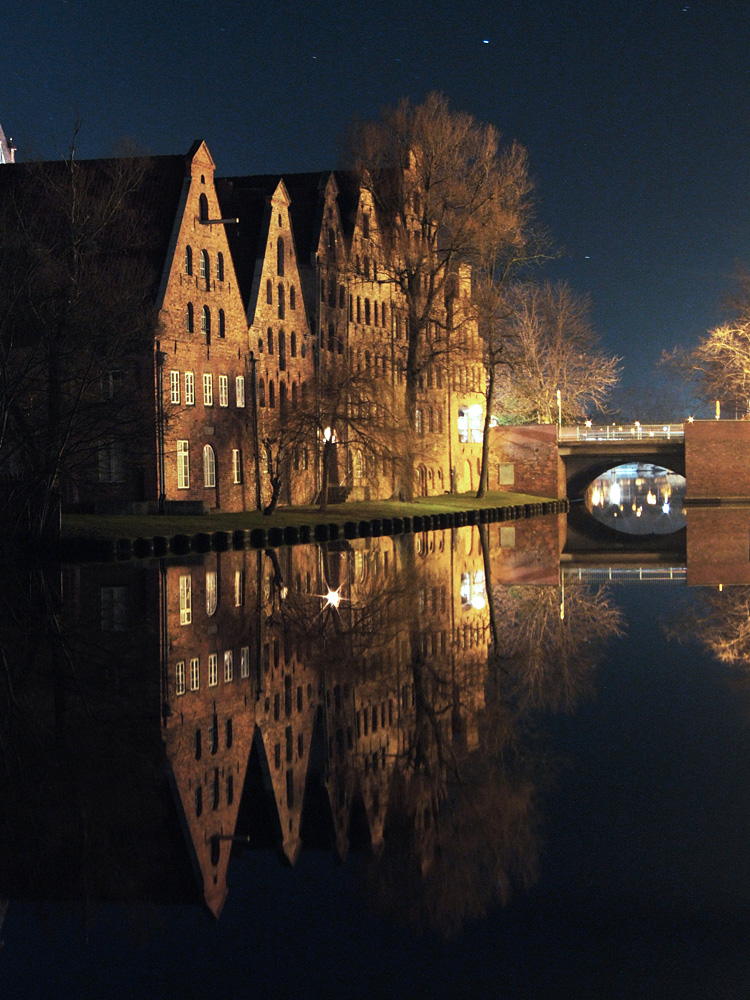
{"x":635,"y":115}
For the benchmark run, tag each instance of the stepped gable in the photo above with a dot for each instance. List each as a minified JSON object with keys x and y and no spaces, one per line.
{"x":7,"y":149}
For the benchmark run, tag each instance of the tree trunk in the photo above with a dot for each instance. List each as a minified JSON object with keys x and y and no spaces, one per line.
{"x":485,"y":473}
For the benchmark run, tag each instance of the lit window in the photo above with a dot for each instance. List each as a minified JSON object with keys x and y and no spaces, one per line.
{"x":183,"y":465}
{"x":208,"y":390}
{"x":228,"y":666}
{"x":174,"y":387}
{"x":189,"y":389}
{"x":212,"y":592}
{"x":186,"y":605}
{"x":195,"y":683}
{"x":189,"y":318}
{"x":188,"y":260}
{"x":220,"y":267}
{"x":418,"y":426}
{"x":245,"y":661}
{"x":239,"y":588}
{"x":239,"y":390}
{"x":209,"y":466}
{"x":179,"y":677}
{"x":237,"y":465}
{"x":213,"y":669}
{"x":223,"y":390}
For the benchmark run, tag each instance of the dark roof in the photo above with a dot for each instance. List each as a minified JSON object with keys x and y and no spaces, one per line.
{"x":151,"y":188}
{"x":246,"y":199}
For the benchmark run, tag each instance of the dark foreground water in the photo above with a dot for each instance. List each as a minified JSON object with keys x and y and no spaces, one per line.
{"x":537,"y":805}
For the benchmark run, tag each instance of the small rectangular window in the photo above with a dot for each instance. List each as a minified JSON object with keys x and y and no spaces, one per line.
{"x":183,"y":465}
{"x":186,"y":600}
{"x":213,"y":669}
{"x":239,"y":390}
{"x":239,"y":588}
{"x":507,"y":536}
{"x":179,"y":677}
{"x":228,"y":666}
{"x":237,"y":464}
{"x":223,"y":390}
{"x":245,"y":661}
{"x":189,"y":389}
{"x":505,"y":474}
{"x":195,"y":673}
{"x":174,"y":387}
{"x":208,"y":390}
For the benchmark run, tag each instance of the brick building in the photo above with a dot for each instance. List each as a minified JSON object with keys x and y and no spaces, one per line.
{"x":278,"y":350}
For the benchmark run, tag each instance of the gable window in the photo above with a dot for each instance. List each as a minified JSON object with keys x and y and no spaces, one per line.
{"x":418,"y":425}
{"x":189,"y":318}
{"x":269,"y":291}
{"x":271,"y":394}
{"x":261,"y":392}
{"x":208,"y":390}
{"x":282,"y":402}
{"x":382,"y":314}
{"x":239,"y":595}
{"x":183,"y":465}
{"x":359,"y":309}
{"x":189,"y":389}
{"x":342,"y":296}
{"x":220,"y":266}
{"x":294,"y":395}
{"x":205,"y":268}
{"x":282,"y":351}
{"x":212,"y":592}
{"x":280,"y":257}
{"x":209,"y":466}
{"x":206,"y":323}
{"x":239,"y":390}
{"x":292,"y":298}
{"x":203,"y":208}
{"x":270,"y":340}
{"x":188,"y":260}
{"x":222,"y":324}
{"x":174,"y":387}
{"x":186,"y":610}
{"x":367,"y":268}
{"x":237,"y":465}
{"x":213,"y":669}
{"x":331,"y":291}
{"x":228,"y":666}
{"x":245,"y":661}
{"x":179,"y":677}
{"x":367,"y":312}
{"x":366,"y":225}
{"x":223,"y":390}
{"x":293,"y":344}
{"x":281,"y":301}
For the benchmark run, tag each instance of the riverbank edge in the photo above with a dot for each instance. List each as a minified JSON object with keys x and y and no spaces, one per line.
{"x":289,"y":526}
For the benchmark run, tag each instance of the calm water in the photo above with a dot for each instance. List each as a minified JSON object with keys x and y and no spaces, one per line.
{"x":474,"y":771}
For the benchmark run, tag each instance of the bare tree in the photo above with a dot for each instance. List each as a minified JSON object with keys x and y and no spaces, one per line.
{"x":551,"y":347}
{"x":440,"y":184}
{"x":76,"y":326}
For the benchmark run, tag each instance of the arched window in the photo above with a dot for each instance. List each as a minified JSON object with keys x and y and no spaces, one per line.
{"x":206,"y":323}
{"x":359,"y":465}
{"x":331,"y":239}
{"x":367,"y":267}
{"x":271,"y":394}
{"x":351,"y":307}
{"x":440,"y":420}
{"x":222,"y":324}
{"x":203,"y":208}
{"x":303,"y":394}
{"x":418,"y":425}
{"x":294,"y":395}
{"x":269,"y":291}
{"x":439,"y":379}
{"x":292,"y":298}
{"x":281,"y":301}
{"x":359,"y":309}
{"x":375,"y":314}
{"x":198,"y":800}
{"x":282,"y":351}
{"x":189,"y":318}
{"x":209,"y":466}
{"x":280,"y":257}
{"x":282,"y":402}
{"x":331,"y":291}
{"x":220,"y":266}
{"x":431,"y":419}
{"x":261,"y":392}
{"x":342,"y":296}
{"x":382,"y":314}
{"x":331,"y":337}
{"x":293,"y":344}
{"x":188,"y":260}
{"x":205,"y":268}
{"x":270,"y":340}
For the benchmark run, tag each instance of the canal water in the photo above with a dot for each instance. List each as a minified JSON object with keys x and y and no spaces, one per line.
{"x":480,"y":762}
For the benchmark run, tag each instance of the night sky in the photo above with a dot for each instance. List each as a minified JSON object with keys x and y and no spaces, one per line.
{"x":635,"y":116}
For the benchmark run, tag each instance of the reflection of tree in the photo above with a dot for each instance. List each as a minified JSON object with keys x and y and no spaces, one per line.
{"x":547,"y":659}
{"x":723,"y":626}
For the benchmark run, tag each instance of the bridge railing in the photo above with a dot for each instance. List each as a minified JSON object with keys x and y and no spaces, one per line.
{"x":622,"y":432}
{"x":626,"y":574}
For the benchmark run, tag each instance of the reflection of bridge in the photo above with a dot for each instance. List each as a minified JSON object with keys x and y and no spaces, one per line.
{"x":588,"y":452}
{"x":625,"y":574}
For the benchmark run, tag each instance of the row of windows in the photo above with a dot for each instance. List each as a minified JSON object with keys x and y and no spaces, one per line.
{"x":371,"y":312}
{"x":212,"y":594}
{"x":428,"y":420}
{"x":192,"y":674}
{"x":280,"y":299}
{"x":215,"y":800}
{"x":208,"y":389}
{"x":205,"y":322}
{"x":298,"y":395}
{"x":269,"y":346}
{"x":204,"y":265}
{"x":209,"y":466}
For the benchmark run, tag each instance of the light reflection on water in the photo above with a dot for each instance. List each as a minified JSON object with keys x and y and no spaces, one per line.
{"x":478,"y":765}
{"x":638,"y":499}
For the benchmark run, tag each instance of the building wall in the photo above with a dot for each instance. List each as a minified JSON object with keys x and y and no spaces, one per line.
{"x":717,"y":459}
{"x":526,"y":460}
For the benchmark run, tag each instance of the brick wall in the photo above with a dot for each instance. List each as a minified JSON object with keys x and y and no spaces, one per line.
{"x":526,"y":460}
{"x":717,"y":459}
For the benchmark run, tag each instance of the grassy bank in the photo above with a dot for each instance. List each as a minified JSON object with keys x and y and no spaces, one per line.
{"x":133,"y":526}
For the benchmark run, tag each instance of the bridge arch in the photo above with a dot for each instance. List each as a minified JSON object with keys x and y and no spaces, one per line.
{"x":585,"y":461}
